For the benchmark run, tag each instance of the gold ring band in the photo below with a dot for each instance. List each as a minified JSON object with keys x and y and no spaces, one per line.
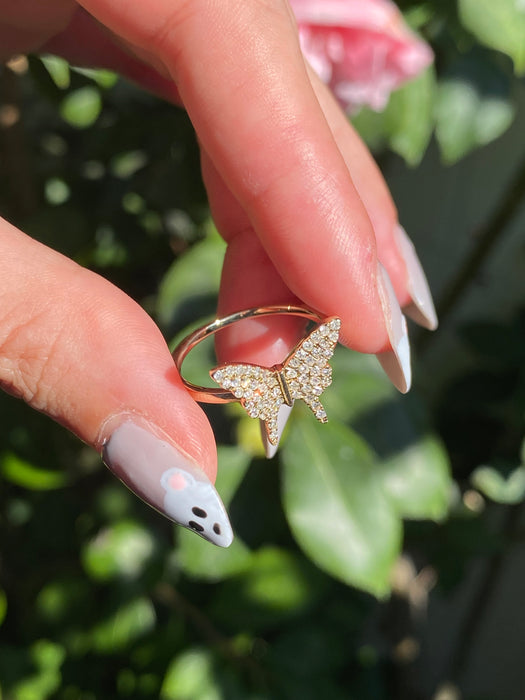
{"x":218,"y":395}
{"x":262,"y":391}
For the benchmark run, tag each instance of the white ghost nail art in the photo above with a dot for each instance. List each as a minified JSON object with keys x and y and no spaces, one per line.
{"x":163,"y":477}
{"x":193,"y":502}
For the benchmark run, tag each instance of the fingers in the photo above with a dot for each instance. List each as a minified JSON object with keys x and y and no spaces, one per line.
{"x":259,"y":120}
{"x":78,"y":349}
{"x":26,"y":24}
{"x":249,"y":279}
{"x":395,"y":250}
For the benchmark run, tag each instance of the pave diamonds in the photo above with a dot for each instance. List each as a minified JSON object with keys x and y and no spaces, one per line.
{"x":307,"y":372}
{"x":257,"y":389}
{"x":304,"y":375}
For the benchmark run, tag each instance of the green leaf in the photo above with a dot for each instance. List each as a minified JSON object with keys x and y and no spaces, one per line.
{"x":56,"y":191}
{"x":191,"y":283}
{"x":62,"y":600}
{"x":58,"y":69}
{"x":103,"y":78}
{"x":126,"y":164}
{"x":473,"y":106}
{"x":360,"y":386}
{"x":336,"y":506}
{"x":493,"y":484}
{"x":406,"y":124}
{"x":3,"y":605}
{"x":131,"y":621}
{"x":277,"y":586}
{"x":411,"y":463}
{"x":121,"y":550}
{"x":409,"y":117}
{"x":371,"y":126}
{"x":417,"y":479}
{"x":81,"y":107}
{"x":21,"y":473}
{"x":191,"y":675}
{"x":499,"y":25}
{"x":47,"y":658}
{"x":199,"y":558}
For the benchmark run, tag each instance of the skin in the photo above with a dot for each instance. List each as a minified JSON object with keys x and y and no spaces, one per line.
{"x":296,"y":195}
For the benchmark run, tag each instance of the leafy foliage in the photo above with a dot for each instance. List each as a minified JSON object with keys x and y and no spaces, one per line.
{"x":100,"y":596}
{"x":472,"y":101}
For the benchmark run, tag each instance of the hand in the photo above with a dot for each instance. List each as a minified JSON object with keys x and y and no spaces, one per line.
{"x":303,"y":207}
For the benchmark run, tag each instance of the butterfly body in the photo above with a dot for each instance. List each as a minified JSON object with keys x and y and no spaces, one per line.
{"x":304,"y":375}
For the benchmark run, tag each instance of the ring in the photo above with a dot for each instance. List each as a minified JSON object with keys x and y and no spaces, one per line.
{"x":262,"y":391}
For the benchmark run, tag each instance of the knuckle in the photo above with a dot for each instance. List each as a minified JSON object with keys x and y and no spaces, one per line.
{"x":174,"y":22}
{"x":29,"y":368}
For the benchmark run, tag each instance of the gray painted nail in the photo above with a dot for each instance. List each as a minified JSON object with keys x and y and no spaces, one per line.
{"x":163,"y":477}
{"x":395,"y":362}
{"x":422,"y":309}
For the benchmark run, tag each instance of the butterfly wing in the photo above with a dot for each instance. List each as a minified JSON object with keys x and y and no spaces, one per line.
{"x":258,"y":391}
{"x":306,"y":370}
{"x":305,"y":374}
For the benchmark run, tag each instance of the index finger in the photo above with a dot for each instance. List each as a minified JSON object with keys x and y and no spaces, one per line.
{"x":242,"y":78}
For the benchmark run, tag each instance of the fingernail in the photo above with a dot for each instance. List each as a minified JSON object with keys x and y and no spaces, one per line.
{"x":167,"y":480}
{"x":422,"y":309}
{"x":395,"y":362}
{"x":282,"y":419}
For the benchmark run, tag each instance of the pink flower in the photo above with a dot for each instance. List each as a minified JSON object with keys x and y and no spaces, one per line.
{"x":362,"y":49}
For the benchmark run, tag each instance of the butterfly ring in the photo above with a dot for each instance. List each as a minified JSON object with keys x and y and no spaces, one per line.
{"x":267,"y":392}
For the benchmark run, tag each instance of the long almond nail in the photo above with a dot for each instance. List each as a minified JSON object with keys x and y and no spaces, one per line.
{"x":282,"y":419}
{"x":166,"y":479}
{"x":395,"y":362}
{"x":421,"y":310}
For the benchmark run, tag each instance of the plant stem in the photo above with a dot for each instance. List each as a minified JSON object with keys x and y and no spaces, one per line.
{"x":485,"y":239}
{"x":481,"y":601}
{"x":168,"y":595}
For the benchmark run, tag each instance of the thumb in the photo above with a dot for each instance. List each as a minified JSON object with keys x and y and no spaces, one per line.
{"x":78,"y":349}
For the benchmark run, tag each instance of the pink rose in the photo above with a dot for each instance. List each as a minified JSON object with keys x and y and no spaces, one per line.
{"x":362,"y":49}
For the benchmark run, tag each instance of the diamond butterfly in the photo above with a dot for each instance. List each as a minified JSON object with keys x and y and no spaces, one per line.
{"x":305,"y":374}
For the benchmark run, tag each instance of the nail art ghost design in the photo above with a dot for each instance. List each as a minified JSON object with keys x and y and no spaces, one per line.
{"x":193,"y":503}
{"x":166,"y":479}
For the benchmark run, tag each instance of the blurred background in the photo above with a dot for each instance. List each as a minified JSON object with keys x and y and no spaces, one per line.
{"x":420,"y":592}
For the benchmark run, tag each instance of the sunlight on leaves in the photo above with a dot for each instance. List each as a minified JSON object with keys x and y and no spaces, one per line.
{"x":58,"y":69}
{"x":132,"y":620}
{"x":407,"y":122}
{"x":190,"y":282}
{"x":499,"y":25}
{"x":466,"y":119}
{"x":121,"y":550}
{"x":47,"y":658}
{"x":417,"y":479}
{"x":3,"y":605}
{"x":336,"y":506}
{"x":59,"y":600}
{"x":509,"y":489}
{"x":82,"y":107}
{"x":360,"y":386}
{"x":278,"y":585}
{"x":409,"y":117}
{"x":103,"y":78}
{"x":22,"y":473}
{"x":126,"y":164}
{"x":191,"y":675}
